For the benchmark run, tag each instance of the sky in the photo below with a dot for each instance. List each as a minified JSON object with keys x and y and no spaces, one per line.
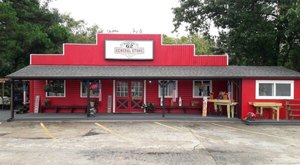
{"x":126,"y":16}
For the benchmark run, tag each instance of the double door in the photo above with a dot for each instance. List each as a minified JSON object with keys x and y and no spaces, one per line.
{"x":129,"y":96}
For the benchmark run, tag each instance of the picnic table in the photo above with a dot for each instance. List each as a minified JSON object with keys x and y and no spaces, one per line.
{"x":274,"y":106}
{"x":228,"y":103}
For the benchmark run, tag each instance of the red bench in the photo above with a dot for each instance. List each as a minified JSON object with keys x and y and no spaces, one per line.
{"x":57,"y":108}
{"x":184,"y":108}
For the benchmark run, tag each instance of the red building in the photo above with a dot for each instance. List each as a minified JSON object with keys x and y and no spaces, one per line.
{"x":125,"y":71}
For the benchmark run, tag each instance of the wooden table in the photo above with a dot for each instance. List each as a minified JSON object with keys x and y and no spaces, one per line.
{"x":228,"y":103}
{"x":260,"y":106}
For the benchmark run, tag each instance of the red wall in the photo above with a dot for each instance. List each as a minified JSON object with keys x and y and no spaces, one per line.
{"x":248,"y":95}
{"x":72,"y":95}
{"x":185,"y":91}
{"x":93,"y":54}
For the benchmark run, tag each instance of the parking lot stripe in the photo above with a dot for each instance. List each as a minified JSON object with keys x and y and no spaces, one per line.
{"x":193,"y":132}
{"x":170,"y":127}
{"x":47,"y":131}
{"x":254,"y":132}
{"x":113,"y":132}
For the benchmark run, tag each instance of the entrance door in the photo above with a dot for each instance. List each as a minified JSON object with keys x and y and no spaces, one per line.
{"x":129,"y":96}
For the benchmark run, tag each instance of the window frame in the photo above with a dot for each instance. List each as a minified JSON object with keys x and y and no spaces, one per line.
{"x":159,"y":90}
{"x":81,"y":96}
{"x":65,"y":91}
{"x":210,"y":85}
{"x":274,"y":82}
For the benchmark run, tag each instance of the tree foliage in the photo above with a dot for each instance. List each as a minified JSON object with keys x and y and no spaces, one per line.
{"x":81,"y":33}
{"x":29,"y":27}
{"x":202,"y":46}
{"x":252,"y":32}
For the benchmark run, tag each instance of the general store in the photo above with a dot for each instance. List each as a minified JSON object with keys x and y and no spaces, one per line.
{"x":128,"y":73}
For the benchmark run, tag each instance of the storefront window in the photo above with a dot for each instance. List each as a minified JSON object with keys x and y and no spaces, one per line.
{"x":122,"y":88}
{"x":170,"y":90}
{"x":270,"y":89}
{"x":93,"y":84}
{"x":201,"y":88}
{"x":55,"y":88}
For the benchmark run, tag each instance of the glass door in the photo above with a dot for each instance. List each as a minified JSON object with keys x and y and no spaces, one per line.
{"x":129,"y":96}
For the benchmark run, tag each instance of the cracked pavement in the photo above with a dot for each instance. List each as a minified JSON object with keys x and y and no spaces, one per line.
{"x":149,"y":143}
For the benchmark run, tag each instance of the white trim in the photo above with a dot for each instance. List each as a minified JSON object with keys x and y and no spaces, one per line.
{"x":274,"y":82}
{"x":65,"y":91}
{"x":176,"y":94}
{"x":114,"y":96}
{"x":210,"y":84}
{"x":86,"y":96}
{"x":161,"y":44}
{"x":64,"y":49}
{"x":145,"y":94}
{"x":227,"y":58}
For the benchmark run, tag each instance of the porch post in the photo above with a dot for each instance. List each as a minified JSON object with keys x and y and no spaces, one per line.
{"x":163,"y":85}
{"x":88,"y":100}
{"x":12,"y":113}
{"x":163,"y":100}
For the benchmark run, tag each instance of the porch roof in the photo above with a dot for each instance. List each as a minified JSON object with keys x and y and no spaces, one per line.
{"x":34,"y":72}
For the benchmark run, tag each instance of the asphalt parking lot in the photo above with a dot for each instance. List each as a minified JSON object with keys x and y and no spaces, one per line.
{"x":149,"y":142}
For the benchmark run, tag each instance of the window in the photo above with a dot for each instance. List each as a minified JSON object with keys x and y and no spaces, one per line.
{"x":122,"y":88}
{"x":55,"y":88}
{"x":271,"y":89}
{"x":201,"y":88}
{"x":170,"y":90}
{"x":95,"y":86}
{"x":137,"y":89}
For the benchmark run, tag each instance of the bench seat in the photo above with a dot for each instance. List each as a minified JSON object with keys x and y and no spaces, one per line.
{"x":184,"y":108}
{"x":59,"y":107}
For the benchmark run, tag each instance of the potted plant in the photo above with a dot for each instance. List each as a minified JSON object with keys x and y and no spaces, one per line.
{"x":46,"y":102}
{"x":47,"y":88}
{"x":149,"y":108}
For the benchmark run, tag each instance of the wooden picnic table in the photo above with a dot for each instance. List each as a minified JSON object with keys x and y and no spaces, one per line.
{"x":274,"y":106}
{"x":228,"y":103}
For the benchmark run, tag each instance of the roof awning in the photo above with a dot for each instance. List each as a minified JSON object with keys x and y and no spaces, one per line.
{"x":35,"y":72}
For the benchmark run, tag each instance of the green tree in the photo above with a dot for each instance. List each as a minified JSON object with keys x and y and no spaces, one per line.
{"x":81,"y":32}
{"x":252,"y":32}
{"x":202,"y":46}
{"x":28,"y":27}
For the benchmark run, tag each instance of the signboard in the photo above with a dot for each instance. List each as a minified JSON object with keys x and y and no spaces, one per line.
{"x":204,"y":106}
{"x":129,"y":49}
{"x":36,"y":104}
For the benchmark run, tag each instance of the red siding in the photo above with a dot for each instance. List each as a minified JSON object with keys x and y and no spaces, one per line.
{"x":248,"y":95}
{"x":164,"y":55}
{"x":185,"y":91}
{"x":72,"y":95}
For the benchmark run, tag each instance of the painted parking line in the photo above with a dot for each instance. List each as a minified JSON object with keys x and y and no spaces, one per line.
{"x":113,"y":132}
{"x":47,"y":132}
{"x":199,"y":136}
{"x":191,"y":131}
{"x":253,"y":132}
{"x":170,"y":127}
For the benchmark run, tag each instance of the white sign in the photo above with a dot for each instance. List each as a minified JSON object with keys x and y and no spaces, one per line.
{"x":36,"y":104}
{"x":129,"y":49}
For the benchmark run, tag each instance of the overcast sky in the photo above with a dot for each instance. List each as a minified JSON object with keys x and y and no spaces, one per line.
{"x":152,"y":16}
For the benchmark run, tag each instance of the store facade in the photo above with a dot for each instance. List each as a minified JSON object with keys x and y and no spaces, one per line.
{"x":126,"y":71}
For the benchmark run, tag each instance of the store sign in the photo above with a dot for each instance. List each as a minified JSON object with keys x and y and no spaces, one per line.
{"x":129,"y":49}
